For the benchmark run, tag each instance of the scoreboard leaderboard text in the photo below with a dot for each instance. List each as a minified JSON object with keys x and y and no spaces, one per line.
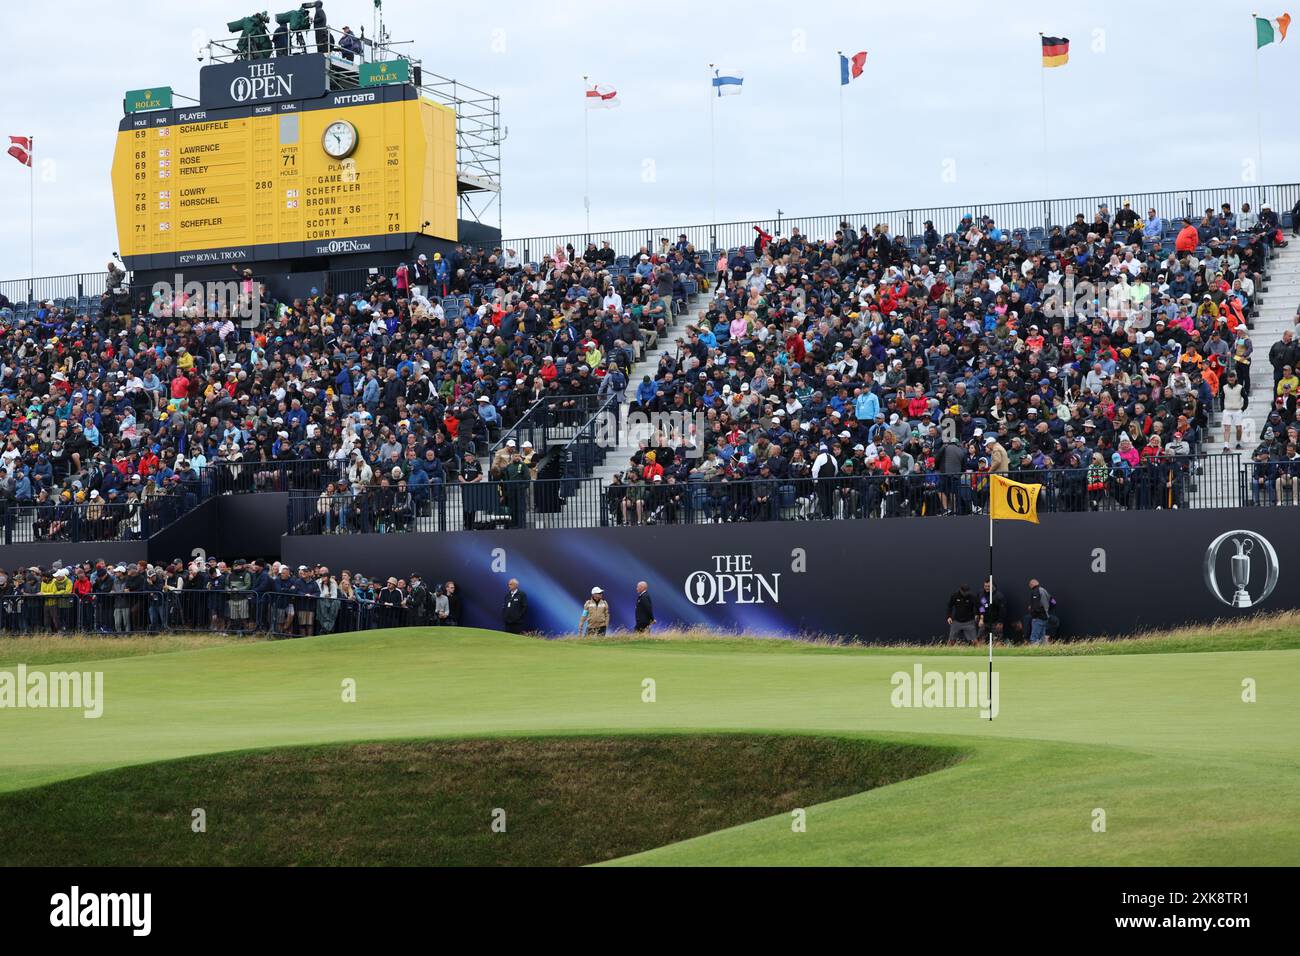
{"x":348,"y":172}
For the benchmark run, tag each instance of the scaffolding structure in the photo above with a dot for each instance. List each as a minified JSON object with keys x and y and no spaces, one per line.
{"x":479,"y":132}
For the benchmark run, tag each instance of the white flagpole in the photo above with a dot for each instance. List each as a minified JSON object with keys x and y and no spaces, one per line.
{"x":1042,"y":75}
{"x":1259,"y":120}
{"x":586,"y":156}
{"x":31,"y":216}
{"x":844,"y":209}
{"x":713,"y":160}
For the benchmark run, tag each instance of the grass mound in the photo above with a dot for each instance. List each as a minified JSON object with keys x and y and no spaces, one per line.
{"x":566,"y":800}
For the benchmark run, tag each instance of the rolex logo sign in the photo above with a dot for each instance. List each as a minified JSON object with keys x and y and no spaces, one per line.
{"x":732,"y":580}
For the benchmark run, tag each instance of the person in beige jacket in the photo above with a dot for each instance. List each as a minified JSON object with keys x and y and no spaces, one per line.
{"x":998,"y":461}
{"x":596,"y":611}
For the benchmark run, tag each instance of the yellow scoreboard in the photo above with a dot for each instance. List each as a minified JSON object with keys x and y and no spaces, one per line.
{"x":355,"y":171}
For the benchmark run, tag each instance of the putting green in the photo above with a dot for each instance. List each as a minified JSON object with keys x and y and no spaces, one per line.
{"x":1184,"y":771}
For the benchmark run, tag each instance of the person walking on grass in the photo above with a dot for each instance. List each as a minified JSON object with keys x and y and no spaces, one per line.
{"x":645,"y":612}
{"x":1040,"y":612}
{"x":961,"y":616}
{"x":596,"y":613}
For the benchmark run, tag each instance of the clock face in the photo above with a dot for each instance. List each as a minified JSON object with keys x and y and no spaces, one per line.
{"x":340,"y":139}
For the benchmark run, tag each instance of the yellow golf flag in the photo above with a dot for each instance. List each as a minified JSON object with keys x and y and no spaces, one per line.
{"x":1012,"y":500}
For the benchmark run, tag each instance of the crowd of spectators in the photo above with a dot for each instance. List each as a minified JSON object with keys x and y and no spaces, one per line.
{"x":214,"y":595}
{"x":862,"y":373}
{"x":403,"y":385}
{"x":871,"y":373}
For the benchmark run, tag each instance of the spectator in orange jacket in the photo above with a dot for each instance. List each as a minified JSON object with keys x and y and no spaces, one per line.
{"x":1188,"y":238}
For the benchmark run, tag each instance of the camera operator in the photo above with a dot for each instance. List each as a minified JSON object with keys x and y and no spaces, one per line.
{"x":321,"y":26}
{"x":349,"y":45}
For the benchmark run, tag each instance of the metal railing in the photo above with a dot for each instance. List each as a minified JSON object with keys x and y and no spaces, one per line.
{"x":220,"y":477}
{"x":1024,"y":214}
{"x":549,"y":420}
{"x":1185,"y":482}
{"x":107,"y":521}
{"x":447,"y":506}
{"x":1027,"y":214}
{"x":1272,"y":483}
{"x":147,"y":608}
{"x":594,"y":440}
{"x":77,"y":285}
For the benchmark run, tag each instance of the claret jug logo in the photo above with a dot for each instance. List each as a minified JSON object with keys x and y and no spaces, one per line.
{"x":1251,"y":567}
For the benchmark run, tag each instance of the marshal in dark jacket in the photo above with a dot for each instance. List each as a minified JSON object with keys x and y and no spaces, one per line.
{"x":645,"y":613}
{"x":513,"y":611}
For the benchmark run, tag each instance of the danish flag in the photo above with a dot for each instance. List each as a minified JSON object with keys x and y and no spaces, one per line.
{"x":21,"y":149}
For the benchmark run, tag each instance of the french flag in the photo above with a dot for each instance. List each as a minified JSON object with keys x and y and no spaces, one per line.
{"x":851,"y":67}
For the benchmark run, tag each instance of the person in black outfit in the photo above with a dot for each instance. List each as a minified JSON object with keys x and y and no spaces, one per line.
{"x":961,"y":615}
{"x":992,"y":613}
{"x":645,"y":612}
{"x":321,"y":26}
{"x":515,"y":608}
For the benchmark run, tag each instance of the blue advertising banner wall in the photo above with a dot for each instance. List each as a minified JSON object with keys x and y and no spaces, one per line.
{"x":1112,"y":573}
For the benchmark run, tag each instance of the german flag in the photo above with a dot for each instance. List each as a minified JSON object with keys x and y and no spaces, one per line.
{"x":1056,"y":51}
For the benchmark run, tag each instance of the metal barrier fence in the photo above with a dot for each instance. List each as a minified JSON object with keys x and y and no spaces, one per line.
{"x":445,"y":506}
{"x":1028,"y":214}
{"x":1185,"y":482}
{"x":76,"y":285}
{"x":550,"y":419}
{"x":240,"y":477}
{"x":1271,"y":483}
{"x":1025,"y":214}
{"x":1203,"y":481}
{"x":589,"y":445}
{"x":125,"y":521}
{"x":154,"y":611}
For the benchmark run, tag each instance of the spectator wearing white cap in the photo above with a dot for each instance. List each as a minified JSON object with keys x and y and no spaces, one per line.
{"x":596,"y":612}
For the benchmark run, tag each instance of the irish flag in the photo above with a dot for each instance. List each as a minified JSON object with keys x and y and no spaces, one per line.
{"x":1271,"y":31}
{"x":1056,"y":51}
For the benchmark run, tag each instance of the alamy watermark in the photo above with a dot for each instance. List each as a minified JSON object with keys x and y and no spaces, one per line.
{"x":678,"y":428}
{"x":76,"y":908}
{"x":70,"y":690}
{"x":946,"y":689}
{"x":237,"y":299}
{"x":1129,"y":302}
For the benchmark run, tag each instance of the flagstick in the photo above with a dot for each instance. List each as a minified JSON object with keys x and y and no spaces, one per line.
{"x":988,"y":606}
{"x":1259,"y":121}
{"x":713,"y":161}
{"x":843,"y":202}
{"x":1042,"y":76}
{"x":586,"y":156}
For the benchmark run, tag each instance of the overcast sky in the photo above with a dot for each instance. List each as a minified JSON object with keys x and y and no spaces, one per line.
{"x":949,"y":111}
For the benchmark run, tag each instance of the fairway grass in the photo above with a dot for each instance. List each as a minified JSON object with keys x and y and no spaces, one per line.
{"x":1160,"y":746}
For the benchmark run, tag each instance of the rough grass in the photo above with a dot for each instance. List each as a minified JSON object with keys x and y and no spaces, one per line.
{"x":56,"y":649}
{"x":567,"y":800}
{"x":1278,"y":631}
{"x":1262,"y":632}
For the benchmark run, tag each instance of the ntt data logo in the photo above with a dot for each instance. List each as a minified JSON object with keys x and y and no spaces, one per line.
{"x":733,"y":580}
{"x":1247,"y":575}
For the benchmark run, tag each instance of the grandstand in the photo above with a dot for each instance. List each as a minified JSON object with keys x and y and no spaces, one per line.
{"x":877,"y":365}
